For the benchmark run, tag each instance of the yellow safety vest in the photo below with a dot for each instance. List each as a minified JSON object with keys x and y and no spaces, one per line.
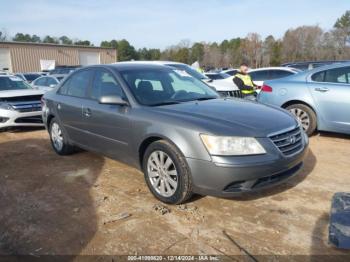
{"x":247,"y":81}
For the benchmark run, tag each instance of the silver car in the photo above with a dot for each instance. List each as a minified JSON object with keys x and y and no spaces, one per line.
{"x":320,"y":98}
{"x":176,"y":129}
{"x":20,"y":104}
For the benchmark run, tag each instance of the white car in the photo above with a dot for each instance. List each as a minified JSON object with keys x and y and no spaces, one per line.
{"x":20,"y":104}
{"x":46,"y":83}
{"x":231,"y":71}
{"x":223,"y":88}
{"x":216,"y":76}
{"x":260,"y":75}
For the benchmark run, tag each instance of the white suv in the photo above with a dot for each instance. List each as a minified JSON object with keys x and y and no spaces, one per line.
{"x":20,"y":104}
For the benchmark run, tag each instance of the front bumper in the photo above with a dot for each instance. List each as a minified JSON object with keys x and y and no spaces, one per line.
{"x":229,"y":180}
{"x":11,"y":118}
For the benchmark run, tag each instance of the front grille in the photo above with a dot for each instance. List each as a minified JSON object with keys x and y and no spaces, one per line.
{"x":289,"y":142}
{"x":29,"y":120}
{"x":28,"y":106}
{"x":236,"y":93}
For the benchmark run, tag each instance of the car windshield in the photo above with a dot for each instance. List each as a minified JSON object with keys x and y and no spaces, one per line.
{"x":31,"y":77}
{"x":12,"y":83}
{"x":154,"y":87}
{"x":194,"y":73}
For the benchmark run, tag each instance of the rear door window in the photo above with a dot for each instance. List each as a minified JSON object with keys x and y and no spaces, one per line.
{"x":338,"y":75}
{"x":78,"y":84}
{"x":318,"y":77}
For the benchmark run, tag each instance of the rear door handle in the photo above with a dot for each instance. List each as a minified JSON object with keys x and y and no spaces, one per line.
{"x":87,"y":112}
{"x":321,"y":89}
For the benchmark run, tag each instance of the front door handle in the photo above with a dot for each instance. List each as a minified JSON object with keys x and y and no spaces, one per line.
{"x":321,"y":89}
{"x":87,"y":112}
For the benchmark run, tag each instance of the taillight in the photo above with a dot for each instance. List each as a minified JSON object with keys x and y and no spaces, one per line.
{"x":266,"y":88}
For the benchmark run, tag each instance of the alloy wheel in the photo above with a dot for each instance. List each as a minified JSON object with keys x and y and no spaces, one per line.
{"x":56,"y":136}
{"x":162,"y":173}
{"x":302,"y":116}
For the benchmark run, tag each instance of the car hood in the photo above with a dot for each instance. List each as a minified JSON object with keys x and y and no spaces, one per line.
{"x":232,"y":117}
{"x":19,"y":93}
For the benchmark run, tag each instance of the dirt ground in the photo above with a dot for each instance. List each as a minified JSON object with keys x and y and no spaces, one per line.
{"x":88,"y":204}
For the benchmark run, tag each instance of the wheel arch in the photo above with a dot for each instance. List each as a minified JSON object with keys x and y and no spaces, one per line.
{"x":293,"y":102}
{"x":148,"y":141}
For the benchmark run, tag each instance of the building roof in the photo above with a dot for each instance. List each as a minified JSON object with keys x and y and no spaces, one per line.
{"x":53,"y":45}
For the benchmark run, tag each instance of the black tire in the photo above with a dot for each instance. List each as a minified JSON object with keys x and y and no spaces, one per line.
{"x":183,"y":191}
{"x":309,"y":112}
{"x":67,"y":148}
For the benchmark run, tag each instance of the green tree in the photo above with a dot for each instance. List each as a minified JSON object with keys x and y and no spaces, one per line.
{"x":342,"y":25}
{"x":3,"y":36}
{"x":65,"y":40}
{"x":19,"y":37}
{"x":83,"y":42}
{"x":50,"y":40}
{"x":197,"y":52}
{"x":126,"y":51}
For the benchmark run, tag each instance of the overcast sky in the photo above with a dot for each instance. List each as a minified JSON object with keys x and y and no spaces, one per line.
{"x":161,"y":23}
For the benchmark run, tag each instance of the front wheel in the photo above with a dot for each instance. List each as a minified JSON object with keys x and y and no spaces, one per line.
{"x":59,"y":140}
{"x":306,"y":117}
{"x":166,"y":173}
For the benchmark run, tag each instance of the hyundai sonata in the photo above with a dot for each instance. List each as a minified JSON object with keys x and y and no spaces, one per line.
{"x":183,"y":136}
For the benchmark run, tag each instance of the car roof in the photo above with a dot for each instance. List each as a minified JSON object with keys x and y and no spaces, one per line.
{"x":153,"y":62}
{"x":129,"y":65}
{"x":290,"y":69}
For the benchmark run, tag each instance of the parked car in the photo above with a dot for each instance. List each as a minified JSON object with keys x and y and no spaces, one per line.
{"x":180,"y":132}
{"x":46,"y":83}
{"x":19,"y":104}
{"x":260,"y":75}
{"x":63,"y":70}
{"x":28,"y":77}
{"x":226,"y":89}
{"x":319,"y":98}
{"x":308,"y":65}
{"x":216,"y":75}
{"x":230,"y":72}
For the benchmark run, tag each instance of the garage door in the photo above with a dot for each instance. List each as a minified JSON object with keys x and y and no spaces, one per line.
{"x":5,"y":59}
{"x":89,"y":58}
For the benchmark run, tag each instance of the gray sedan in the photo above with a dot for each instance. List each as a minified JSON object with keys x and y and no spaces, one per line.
{"x":320,"y":98}
{"x":176,"y":129}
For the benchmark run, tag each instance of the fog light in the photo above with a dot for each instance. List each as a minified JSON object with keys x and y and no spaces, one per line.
{"x":3,"y":119}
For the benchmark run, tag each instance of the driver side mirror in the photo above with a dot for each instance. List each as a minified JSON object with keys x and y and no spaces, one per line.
{"x":52,"y":85}
{"x":112,"y":100}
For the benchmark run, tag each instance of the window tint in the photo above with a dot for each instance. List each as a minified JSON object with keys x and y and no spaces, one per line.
{"x":338,"y":75}
{"x":77,"y":84}
{"x":318,"y":77}
{"x":104,"y":84}
{"x":260,"y":75}
{"x":276,"y":74}
{"x":41,"y":81}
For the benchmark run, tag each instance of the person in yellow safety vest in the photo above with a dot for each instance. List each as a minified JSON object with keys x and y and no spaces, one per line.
{"x":245,"y":83}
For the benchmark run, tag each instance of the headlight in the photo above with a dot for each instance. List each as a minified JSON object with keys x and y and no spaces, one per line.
{"x":232,"y":146}
{"x":5,"y":106}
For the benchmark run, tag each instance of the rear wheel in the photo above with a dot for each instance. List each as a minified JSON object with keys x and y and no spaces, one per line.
{"x":59,"y":140}
{"x":306,"y":117}
{"x":166,"y":173}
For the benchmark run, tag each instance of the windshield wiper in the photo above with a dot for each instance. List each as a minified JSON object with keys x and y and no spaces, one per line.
{"x":206,"y":98}
{"x":164,"y":103}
